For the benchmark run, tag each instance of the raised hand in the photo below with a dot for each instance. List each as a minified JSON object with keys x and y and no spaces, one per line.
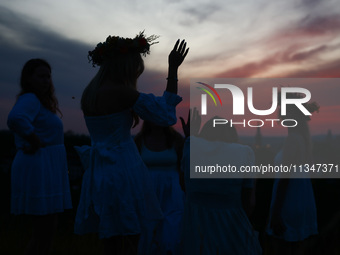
{"x":176,"y":57}
{"x":193,"y":124}
{"x":178,"y":54}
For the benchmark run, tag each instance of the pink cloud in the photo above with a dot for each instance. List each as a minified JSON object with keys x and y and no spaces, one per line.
{"x":303,"y":44}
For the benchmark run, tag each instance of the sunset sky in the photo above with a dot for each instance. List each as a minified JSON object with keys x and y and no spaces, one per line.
{"x":227,"y":39}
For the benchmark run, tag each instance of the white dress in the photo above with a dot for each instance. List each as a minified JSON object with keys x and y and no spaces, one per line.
{"x":214,"y":220}
{"x":39,"y":181}
{"x":117,"y":195}
{"x":164,"y":236}
{"x":299,"y":209}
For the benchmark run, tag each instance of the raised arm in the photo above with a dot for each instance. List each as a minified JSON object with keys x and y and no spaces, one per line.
{"x":176,"y":57}
{"x":193,"y":125}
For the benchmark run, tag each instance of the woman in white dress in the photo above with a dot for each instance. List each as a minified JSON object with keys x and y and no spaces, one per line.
{"x":117,"y":194}
{"x":39,"y":177}
{"x":161,"y":151}
{"x":215,"y":216}
{"x":292,"y":217}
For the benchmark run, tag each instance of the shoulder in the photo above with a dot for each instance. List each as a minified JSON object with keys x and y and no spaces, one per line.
{"x":240,"y":152}
{"x":29,"y":97}
{"x":27,"y":102}
{"x":293,"y":149}
{"x":26,"y":107}
{"x":168,"y":97}
{"x":247,"y":151}
{"x":241,"y":148}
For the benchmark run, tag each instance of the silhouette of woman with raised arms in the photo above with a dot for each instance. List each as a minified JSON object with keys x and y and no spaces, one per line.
{"x":117,"y":195}
{"x":40,"y":185}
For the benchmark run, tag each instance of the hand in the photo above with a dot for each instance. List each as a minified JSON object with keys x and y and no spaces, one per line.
{"x":30,"y":149}
{"x":35,"y":144}
{"x":195,"y":123}
{"x":177,"y":55}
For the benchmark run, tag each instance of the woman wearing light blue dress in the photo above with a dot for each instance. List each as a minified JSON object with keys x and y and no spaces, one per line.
{"x":216,"y":209}
{"x":161,"y":151}
{"x":39,"y":176}
{"x":117,"y":195}
{"x":292,"y":217}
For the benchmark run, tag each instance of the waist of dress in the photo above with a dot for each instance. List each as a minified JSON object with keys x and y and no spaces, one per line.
{"x":111,"y":142}
{"x":162,"y":168}
{"x":47,"y":146}
{"x":217,"y":201}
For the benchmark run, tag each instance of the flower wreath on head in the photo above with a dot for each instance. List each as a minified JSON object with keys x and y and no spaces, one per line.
{"x":118,"y":45}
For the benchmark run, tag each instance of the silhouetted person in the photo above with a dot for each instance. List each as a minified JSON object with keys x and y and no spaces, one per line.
{"x":292,"y":216}
{"x":40,"y":185}
{"x":117,"y":193}
{"x":161,"y":151}
{"x":215,"y":217}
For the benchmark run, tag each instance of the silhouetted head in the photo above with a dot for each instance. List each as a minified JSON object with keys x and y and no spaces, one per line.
{"x":123,"y":68}
{"x":293,"y":112}
{"x":149,"y":128}
{"x":36,"y":77}
{"x":120,"y":58}
{"x":221,"y":132}
{"x":120,"y":63}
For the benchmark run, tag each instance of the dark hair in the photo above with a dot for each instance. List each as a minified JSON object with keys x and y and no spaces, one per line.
{"x":173,"y":139}
{"x":48,"y":100}
{"x":224,"y":133}
{"x":125,"y":68}
{"x":122,"y":68}
{"x":116,"y":45}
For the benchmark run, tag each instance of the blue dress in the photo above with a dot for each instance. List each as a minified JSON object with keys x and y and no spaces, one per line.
{"x":163,"y":237}
{"x":298,"y":210}
{"x":117,"y":195}
{"x":214,"y":219}
{"x":39,"y":181}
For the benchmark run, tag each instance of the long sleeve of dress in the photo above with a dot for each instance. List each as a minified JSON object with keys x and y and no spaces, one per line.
{"x":158,"y":109}
{"x":20,"y":119}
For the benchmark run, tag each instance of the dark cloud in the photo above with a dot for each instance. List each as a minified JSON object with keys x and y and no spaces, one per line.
{"x":199,"y":14}
{"x":307,"y":54}
{"x":202,"y":12}
{"x":22,"y":38}
{"x":323,"y":70}
{"x":320,"y":24}
{"x":310,"y":4}
{"x":311,"y":26}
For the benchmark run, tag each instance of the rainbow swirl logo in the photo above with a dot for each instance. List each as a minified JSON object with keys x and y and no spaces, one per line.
{"x":204,"y":96}
{"x":209,"y":93}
